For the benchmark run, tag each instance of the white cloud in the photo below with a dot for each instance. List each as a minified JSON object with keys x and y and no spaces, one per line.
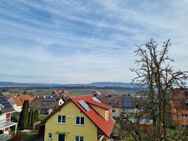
{"x":75,"y":42}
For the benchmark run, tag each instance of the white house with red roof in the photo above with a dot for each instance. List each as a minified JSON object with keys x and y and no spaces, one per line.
{"x":82,"y":118}
{"x":17,"y":101}
{"x":6,"y":111}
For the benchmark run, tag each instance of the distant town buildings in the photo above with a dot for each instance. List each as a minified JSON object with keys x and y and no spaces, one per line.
{"x":46,"y":104}
{"x":119,"y":103}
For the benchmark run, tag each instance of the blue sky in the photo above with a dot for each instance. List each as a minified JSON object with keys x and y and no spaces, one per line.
{"x":81,"y":41}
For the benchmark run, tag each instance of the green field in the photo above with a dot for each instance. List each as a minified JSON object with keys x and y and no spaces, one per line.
{"x":73,"y":92}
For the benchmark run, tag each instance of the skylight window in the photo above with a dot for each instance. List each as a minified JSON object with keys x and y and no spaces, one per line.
{"x":84,"y":105}
{"x":96,"y":100}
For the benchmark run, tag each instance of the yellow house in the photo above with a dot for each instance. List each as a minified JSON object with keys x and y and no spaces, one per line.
{"x":82,"y":118}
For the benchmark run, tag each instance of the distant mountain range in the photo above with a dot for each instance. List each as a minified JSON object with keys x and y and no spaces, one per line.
{"x":89,"y":85}
{"x":115,"y":84}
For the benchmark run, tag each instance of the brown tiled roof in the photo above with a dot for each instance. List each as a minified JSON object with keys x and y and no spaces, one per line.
{"x":58,"y":92}
{"x":114,"y":100}
{"x":18,"y":99}
{"x":41,"y":102}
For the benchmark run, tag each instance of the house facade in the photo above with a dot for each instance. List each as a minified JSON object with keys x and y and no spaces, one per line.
{"x":179,"y":107}
{"x":119,"y":103}
{"x":6,"y":111}
{"x":82,"y":118}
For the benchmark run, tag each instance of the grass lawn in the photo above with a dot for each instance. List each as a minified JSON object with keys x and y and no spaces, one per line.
{"x":128,"y":138}
{"x":29,"y":137}
{"x":42,"y":117}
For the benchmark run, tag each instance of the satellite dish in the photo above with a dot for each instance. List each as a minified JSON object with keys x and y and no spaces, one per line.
{"x":61,"y":101}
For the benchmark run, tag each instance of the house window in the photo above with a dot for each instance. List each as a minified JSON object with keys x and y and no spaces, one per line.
{"x":184,"y":115}
{"x":8,"y":117}
{"x":61,"y":119}
{"x":185,"y":126}
{"x":80,"y":120}
{"x":49,"y":136}
{"x":79,"y":138}
{"x":113,"y":110}
{"x":111,"y":102}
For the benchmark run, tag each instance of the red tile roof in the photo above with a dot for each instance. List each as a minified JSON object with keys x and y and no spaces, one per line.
{"x":101,"y":105}
{"x":105,"y":126}
{"x":19,"y":99}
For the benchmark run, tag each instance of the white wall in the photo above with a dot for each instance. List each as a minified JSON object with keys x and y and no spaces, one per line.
{"x":2,"y":117}
{"x":117,"y":112}
{"x":17,"y":108}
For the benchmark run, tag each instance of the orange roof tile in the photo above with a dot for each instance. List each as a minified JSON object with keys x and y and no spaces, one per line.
{"x":19,"y":99}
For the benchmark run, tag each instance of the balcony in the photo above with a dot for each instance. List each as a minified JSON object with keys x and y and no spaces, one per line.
{"x":6,"y":124}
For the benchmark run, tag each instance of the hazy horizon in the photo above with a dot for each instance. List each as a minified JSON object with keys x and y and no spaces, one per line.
{"x":1,"y":81}
{"x":79,"y":41}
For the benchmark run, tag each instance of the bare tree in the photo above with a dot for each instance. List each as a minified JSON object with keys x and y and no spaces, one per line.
{"x":133,"y":120}
{"x":154,"y":70}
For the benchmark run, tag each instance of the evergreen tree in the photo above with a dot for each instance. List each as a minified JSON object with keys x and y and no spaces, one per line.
{"x":23,"y":119}
{"x":32,"y":118}
{"x":36,"y":115}
{"x":29,"y":119}
{"x":26,"y":113}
